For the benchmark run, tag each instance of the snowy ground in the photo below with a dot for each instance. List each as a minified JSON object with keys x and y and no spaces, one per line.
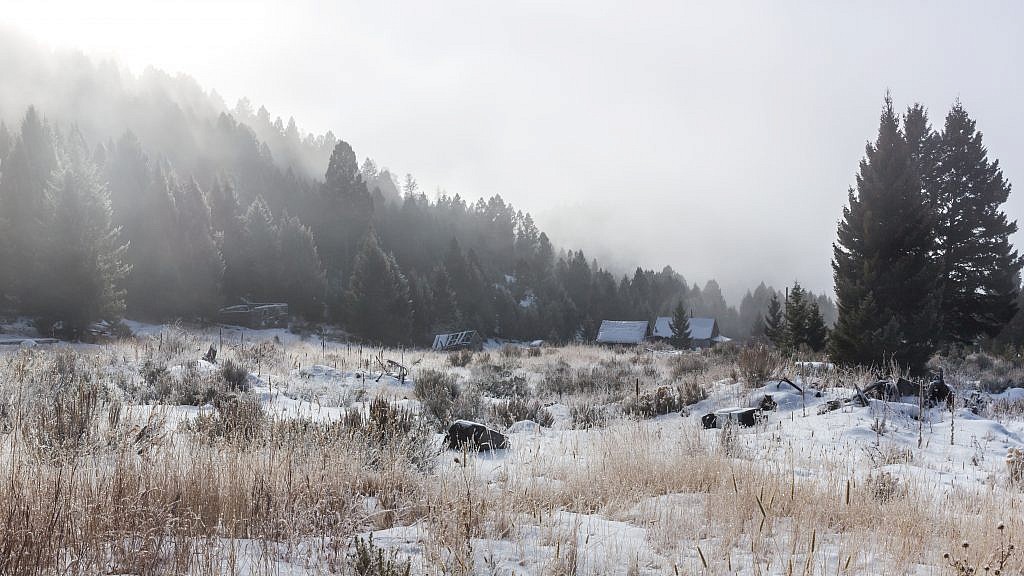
{"x":801,"y":492}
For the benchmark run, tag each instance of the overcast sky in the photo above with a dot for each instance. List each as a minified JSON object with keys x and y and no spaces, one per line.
{"x":718,"y":138}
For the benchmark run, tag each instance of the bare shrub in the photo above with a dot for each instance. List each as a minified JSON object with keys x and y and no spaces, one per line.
{"x":884,"y":487}
{"x":501,"y":381}
{"x":234,"y":417}
{"x":468,"y":405}
{"x":436,"y":391}
{"x":460,"y":358}
{"x":508,"y":412}
{"x":196,"y":388}
{"x":67,"y":423}
{"x":662,"y":401}
{"x":511,"y":351}
{"x":687,"y":363}
{"x":371,"y":560}
{"x":588,"y":416}
{"x":1015,"y":466}
{"x":691,"y":392}
{"x":234,"y":375}
{"x":757,"y":364}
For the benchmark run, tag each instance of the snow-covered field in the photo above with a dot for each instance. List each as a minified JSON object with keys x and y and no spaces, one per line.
{"x":138,"y":457}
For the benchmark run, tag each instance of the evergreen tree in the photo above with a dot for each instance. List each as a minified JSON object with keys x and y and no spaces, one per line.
{"x":152,"y":280}
{"x":980,"y":270}
{"x":796,"y":323}
{"x":774,"y":323}
{"x":445,"y":313}
{"x":378,"y":297}
{"x":302,"y":279}
{"x":23,"y":206}
{"x":229,"y":230}
{"x":6,"y":142}
{"x":680,"y":326}
{"x":81,"y":254}
{"x":816,"y":335}
{"x":199,"y":266}
{"x":262,"y":251}
{"x":1012,"y":335}
{"x":885,"y":277}
{"x":346,"y":209}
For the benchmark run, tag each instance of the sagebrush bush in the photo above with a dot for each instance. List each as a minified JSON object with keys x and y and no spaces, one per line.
{"x":662,"y":401}
{"x":607,"y":375}
{"x":234,"y":375}
{"x":460,"y":358}
{"x":468,"y":405}
{"x":437,"y":392}
{"x":67,"y":423}
{"x":691,"y":391}
{"x":515,"y":409}
{"x":757,"y":364}
{"x":368,"y":559}
{"x":500,"y":381}
{"x":511,"y":351}
{"x":687,"y":363}
{"x":235,"y":417}
{"x":588,"y":416}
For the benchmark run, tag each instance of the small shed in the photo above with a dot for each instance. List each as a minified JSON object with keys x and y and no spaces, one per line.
{"x":622,"y":332}
{"x":255,"y":315}
{"x":465,"y":340}
{"x":703,"y":331}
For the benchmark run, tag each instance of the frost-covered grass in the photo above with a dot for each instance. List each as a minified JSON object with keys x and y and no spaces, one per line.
{"x":103,"y":469}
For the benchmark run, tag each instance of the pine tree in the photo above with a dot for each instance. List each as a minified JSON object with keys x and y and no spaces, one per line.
{"x":680,"y":326}
{"x":303,"y":283}
{"x":796,"y":319}
{"x":226,"y":220}
{"x":816,"y":335}
{"x":6,"y":142}
{"x":23,"y":206}
{"x":980,"y":270}
{"x":378,"y":296}
{"x":82,"y":255}
{"x":262,"y":251}
{"x":774,"y":323}
{"x":200,"y":268}
{"x":151,"y":231}
{"x":345,"y":211}
{"x":885,"y":276}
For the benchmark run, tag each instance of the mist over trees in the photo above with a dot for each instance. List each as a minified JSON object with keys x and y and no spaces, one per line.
{"x":192,"y":206}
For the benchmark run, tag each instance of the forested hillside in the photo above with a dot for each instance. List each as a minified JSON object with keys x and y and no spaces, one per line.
{"x":147,"y":196}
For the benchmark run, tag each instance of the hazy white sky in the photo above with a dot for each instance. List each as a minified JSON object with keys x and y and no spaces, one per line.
{"x":719,"y":138}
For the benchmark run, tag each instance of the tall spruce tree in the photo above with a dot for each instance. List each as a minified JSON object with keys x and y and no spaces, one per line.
{"x":23,"y":202}
{"x":816,"y":335}
{"x":302,"y":279}
{"x":680,"y":326}
{"x":796,"y":321}
{"x":774,"y":323}
{"x":81,"y":253}
{"x":885,"y":277}
{"x":980,"y":270}
{"x":379,"y":309}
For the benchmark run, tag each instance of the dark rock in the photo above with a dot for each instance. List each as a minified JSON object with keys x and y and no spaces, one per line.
{"x":708,"y":421}
{"x":463,"y":433}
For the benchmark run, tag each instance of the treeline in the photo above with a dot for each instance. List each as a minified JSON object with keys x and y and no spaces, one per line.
{"x":923,"y":259}
{"x":191,"y":206}
{"x":155,"y":244}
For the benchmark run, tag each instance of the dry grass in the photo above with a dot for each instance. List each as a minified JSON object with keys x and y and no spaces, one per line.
{"x":93,"y":482}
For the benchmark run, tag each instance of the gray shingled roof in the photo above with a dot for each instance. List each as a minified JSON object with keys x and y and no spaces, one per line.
{"x":700,"y":328}
{"x":622,"y":332}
